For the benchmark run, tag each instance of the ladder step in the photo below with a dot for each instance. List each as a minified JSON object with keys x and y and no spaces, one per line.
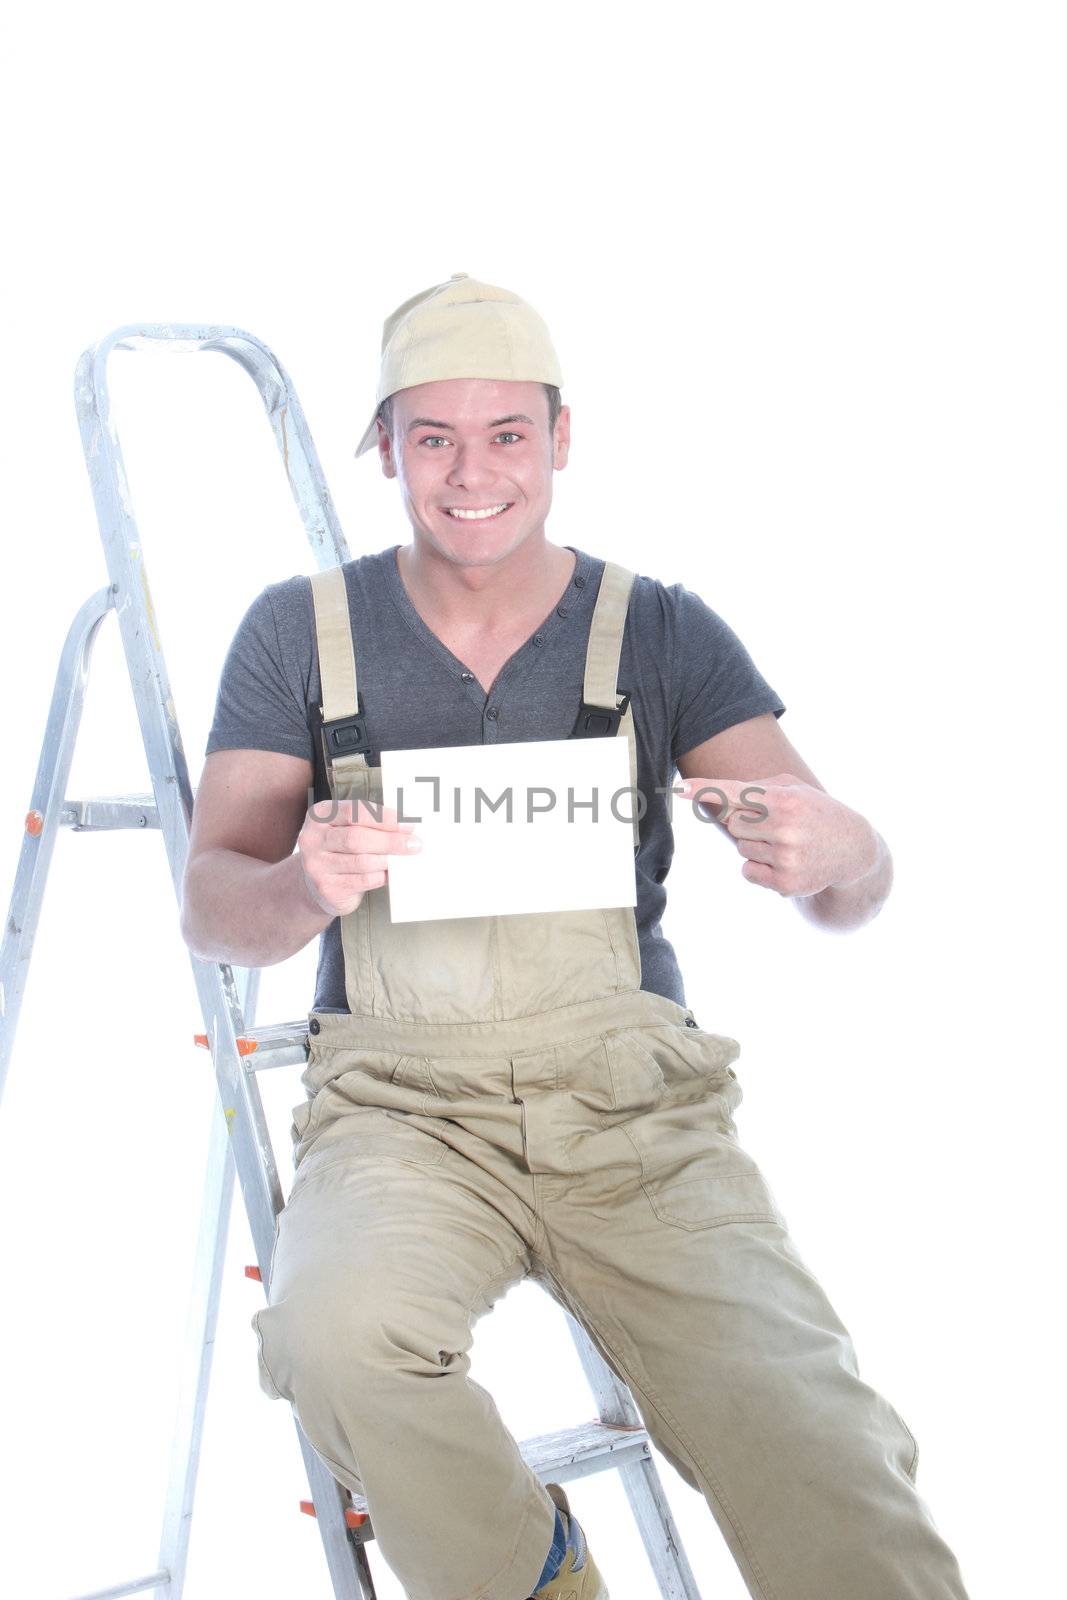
{"x":590,"y":1447}
{"x":555,"y":1457}
{"x":103,"y":813}
{"x":278,"y":1044}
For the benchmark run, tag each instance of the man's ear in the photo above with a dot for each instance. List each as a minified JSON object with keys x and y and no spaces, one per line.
{"x":561,"y":441}
{"x":385,"y":450}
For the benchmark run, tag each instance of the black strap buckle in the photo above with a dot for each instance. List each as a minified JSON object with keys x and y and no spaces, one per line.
{"x":595,"y":721}
{"x":346,"y":736}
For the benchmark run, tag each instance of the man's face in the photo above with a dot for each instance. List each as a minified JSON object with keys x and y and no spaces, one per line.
{"x":473,"y":444}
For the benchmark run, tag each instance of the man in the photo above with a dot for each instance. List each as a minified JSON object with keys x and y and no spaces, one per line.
{"x":491,"y":1098}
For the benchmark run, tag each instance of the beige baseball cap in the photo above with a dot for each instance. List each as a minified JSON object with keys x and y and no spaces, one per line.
{"x":461,"y":329}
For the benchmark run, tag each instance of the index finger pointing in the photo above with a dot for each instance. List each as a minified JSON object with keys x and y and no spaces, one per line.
{"x":722,"y":795}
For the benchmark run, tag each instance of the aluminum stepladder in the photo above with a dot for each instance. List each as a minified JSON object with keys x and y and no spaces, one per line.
{"x":240,"y":1140}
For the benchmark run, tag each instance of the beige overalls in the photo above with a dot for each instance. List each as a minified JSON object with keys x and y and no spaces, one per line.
{"x":504,"y":1102}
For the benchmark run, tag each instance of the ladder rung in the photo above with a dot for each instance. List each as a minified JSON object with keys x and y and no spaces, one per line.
{"x":106,"y":812}
{"x":154,"y":1580}
{"x":577,"y":1452}
{"x":555,"y":1457}
{"x":279,"y":1044}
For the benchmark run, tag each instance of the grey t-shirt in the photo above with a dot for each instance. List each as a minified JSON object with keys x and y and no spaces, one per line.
{"x":688,"y":674}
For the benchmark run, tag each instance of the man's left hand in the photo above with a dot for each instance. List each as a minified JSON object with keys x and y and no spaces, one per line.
{"x":797,"y":839}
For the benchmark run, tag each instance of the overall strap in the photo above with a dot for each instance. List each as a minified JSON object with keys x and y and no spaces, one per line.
{"x":605,"y":708}
{"x":344,"y":731}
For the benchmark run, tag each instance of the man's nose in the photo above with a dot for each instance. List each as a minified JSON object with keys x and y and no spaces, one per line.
{"x":472,"y":463}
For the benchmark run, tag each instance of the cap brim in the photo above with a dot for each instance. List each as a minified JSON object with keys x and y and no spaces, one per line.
{"x":370,"y":437}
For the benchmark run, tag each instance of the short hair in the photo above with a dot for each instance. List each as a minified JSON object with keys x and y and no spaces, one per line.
{"x":385,"y":410}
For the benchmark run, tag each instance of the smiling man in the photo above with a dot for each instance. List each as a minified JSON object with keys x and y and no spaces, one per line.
{"x":496,"y":1098}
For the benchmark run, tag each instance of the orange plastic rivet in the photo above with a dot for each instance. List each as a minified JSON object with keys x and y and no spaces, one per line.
{"x":34,"y":823}
{"x":244,"y":1046}
{"x":353,"y":1518}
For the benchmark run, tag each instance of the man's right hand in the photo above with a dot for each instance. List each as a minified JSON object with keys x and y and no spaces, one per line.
{"x":345,"y":851}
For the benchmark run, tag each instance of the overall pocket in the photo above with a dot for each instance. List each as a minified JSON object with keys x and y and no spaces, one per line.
{"x":363,"y":1137}
{"x":684,"y":1064}
{"x":694,"y":1172}
{"x":339,"y":1080}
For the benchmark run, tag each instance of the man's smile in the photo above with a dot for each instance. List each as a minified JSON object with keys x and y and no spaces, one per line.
{"x":472,"y":514}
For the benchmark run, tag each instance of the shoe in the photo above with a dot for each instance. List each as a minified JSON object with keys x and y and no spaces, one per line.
{"x":579,"y":1576}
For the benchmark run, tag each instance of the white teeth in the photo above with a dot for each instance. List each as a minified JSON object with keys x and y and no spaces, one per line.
{"x":491,"y":511}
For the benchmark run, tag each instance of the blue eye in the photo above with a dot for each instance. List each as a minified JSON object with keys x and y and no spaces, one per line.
{"x":431,"y":438}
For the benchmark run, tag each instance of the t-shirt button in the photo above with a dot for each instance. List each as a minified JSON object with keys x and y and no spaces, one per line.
{"x":467,"y":676}
{"x":579,"y":583}
{"x":492,"y":713}
{"x":561,"y":611}
{"x":538,"y":638}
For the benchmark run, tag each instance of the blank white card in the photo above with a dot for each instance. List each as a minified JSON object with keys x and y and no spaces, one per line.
{"x":536,"y":825}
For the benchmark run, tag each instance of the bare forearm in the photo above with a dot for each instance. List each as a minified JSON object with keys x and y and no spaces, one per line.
{"x":246,"y":912}
{"x":844,"y":907}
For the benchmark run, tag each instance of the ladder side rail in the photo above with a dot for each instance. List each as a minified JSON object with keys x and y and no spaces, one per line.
{"x":296,"y":447}
{"x":46,"y":804}
{"x":346,"y":1559}
{"x":640,"y":1477}
{"x":242,"y":1108}
{"x":47,"y":809}
{"x":614,"y":1401}
{"x":658,"y":1529}
{"x":197,"y":1356}
{"x":118,"y":1591}
{"x":157,"y":717}
{"x":209,"y":1264}
{"x":285,"y":413}
{"x":122,"y":543}
{"x":143,"y":649}
{"x":241,"y":1103}
{"x":150,"y":682}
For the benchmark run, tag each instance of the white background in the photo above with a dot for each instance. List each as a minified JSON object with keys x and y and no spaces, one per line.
{"x":805,"y":268}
